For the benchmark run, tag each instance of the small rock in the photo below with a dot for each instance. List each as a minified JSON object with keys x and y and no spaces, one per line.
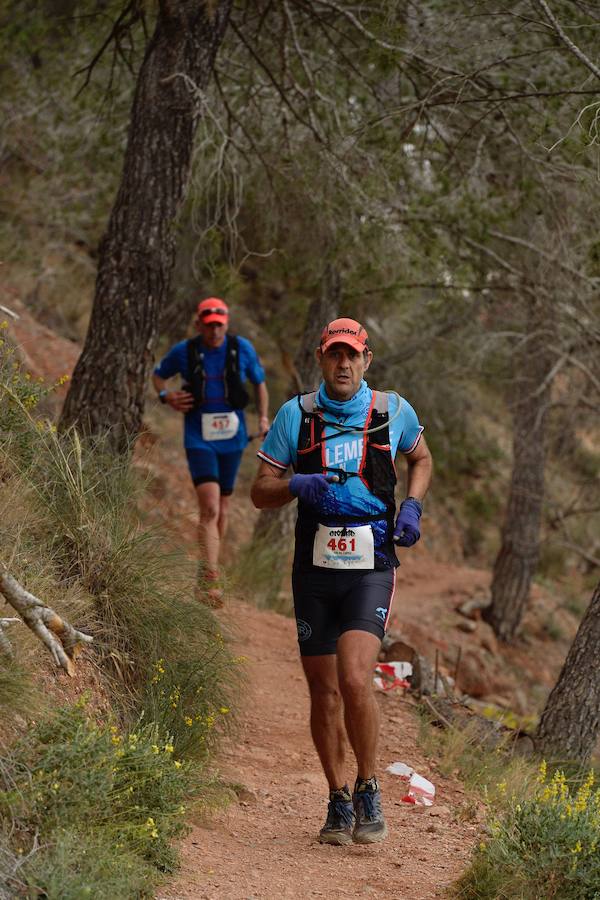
{"x":246,"y":796}
{"x":467,"y":625}
{"x":440,"y":812}
{"x":471,"y":609}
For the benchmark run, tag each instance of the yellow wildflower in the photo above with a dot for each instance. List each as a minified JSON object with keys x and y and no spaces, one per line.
{"x":189,"y":721}
{"x":224,"y":710}
{"x":169,"y":748}
{"x":178,"y":764}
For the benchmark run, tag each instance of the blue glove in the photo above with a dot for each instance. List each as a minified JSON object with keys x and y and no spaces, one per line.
{"x":309,"y":488}
{"x":406,"y":530}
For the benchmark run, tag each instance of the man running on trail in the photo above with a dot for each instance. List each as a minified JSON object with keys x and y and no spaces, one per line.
{"x":341,"y":442}
{"x":214,"y":366}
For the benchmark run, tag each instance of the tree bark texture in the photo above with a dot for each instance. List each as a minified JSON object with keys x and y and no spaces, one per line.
{"x":570,"y":723}
{"x":306,"y":376}
{"x":137,"y":251}
{"x":518,"y":556}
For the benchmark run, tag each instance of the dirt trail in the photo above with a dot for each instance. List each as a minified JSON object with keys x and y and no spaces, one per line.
{"x":265,"y":845}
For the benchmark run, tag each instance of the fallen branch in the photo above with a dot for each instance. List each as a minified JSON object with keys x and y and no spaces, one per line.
{"x":62,"y":640}
{"x":9,"y":312}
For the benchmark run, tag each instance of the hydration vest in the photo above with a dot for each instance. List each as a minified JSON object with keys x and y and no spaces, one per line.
{"x":376,"y":470}
{"x":235,"y":393}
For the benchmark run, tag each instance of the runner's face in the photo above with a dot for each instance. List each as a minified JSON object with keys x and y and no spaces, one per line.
{"x":212,"y":335}
{"x":343,"y":369}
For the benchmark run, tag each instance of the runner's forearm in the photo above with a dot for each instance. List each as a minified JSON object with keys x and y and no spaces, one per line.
{"x":160,"y":384}
{"x":261,"y":399}
{"x":418,"y":477}
{"x":270,"y":492}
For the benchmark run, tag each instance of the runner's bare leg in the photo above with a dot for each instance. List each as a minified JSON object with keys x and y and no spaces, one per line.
{"x":209,"y":501}
{"x":357,"y":653}
{"x":326,"y":724}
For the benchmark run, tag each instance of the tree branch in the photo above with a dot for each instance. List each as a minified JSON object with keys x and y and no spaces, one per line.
{"x":574,"y":49}
{"x":62,"y":640}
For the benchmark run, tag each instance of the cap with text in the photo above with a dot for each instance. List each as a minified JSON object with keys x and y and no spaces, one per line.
{"x":344,"y":331}
{"x":213,"y":310}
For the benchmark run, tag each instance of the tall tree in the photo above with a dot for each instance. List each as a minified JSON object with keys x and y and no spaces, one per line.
{"x":570,"y":723}
{"x":516,"y":562}
{"x":137,"y":251}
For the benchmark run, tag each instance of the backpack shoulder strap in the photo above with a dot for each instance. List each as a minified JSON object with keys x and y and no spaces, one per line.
{"x":233,"y":351}
{"x":382,"y":402}
{"x":195,"y":355}
{"x":307,"y":402}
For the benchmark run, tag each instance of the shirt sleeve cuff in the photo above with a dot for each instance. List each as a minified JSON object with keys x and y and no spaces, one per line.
{"x":415,"y":442}
{"x":272,"y":462}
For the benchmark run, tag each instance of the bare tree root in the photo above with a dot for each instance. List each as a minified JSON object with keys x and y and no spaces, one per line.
{"x":62,"y":640}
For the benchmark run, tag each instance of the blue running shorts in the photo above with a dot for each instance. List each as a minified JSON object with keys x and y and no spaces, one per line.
{"x":327,"y":603}
{"x":206,"y":465}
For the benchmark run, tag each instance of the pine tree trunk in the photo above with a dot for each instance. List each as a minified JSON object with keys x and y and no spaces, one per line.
{"x":517,"y":559}
{"x":570,"y":724}
{"x":137,"y":251}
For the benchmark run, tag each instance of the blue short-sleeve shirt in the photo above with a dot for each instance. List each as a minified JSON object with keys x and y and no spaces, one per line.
{"x":343,"y":451}
{"x":176,"y":363}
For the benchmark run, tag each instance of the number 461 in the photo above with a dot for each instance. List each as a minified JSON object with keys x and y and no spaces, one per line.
{"x":341,"y":544}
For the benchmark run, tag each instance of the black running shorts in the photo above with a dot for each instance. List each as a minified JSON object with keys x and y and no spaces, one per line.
{"x":328,"y":603}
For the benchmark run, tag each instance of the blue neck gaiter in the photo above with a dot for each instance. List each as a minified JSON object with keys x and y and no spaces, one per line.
{"x":356,"y":406}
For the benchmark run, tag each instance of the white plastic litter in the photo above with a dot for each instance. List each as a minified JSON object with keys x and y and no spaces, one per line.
{"x":390,"y":675}
{"x":401,"y":769}
{"x":420,"y":791}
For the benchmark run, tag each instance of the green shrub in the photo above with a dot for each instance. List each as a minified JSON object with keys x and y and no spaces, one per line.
{"x":119,"y":797}
{"x":70,"y":770}
{"x":545,"y":846}
{"x":83,"y":862}
{"x":86,"y":523}
{"x":190,"y":699}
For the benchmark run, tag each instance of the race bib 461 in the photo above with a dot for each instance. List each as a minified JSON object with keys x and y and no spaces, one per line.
{"x":344,"y":548}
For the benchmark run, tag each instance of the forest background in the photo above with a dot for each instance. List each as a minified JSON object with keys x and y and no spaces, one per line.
{"x":431,"y":171}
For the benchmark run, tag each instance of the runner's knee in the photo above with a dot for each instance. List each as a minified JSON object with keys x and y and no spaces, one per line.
{"x":355,"y":685}
{"x":209,"y":512}
{"x":324,"y":695}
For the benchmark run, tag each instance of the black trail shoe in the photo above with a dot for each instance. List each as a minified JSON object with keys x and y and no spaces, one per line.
{"x":340,"y":818}
{"x":370,"y":825}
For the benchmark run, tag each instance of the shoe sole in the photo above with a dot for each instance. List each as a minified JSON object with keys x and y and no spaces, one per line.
{"x":370,"y":838}
{"x":338,"y":839}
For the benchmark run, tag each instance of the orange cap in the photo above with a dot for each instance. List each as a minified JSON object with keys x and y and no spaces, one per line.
{"x":344,"y":331}
{"x":213,"y":310}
